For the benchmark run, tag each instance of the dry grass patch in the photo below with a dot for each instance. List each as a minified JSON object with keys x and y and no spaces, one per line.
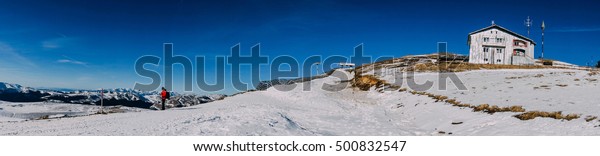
{"x":365,"y":82}
{"x":483,"y":107}
{"x":515,"y":109}
{"x":571,"y":117}
{"x":393,"y":87}
{"x":562,"y":85}
{"x":555,"y":115}
{"x":542,"y":87}
{"x":417,"y":92}
{"x":439,"y":98}
{"x":425,"y":67}
{"x":539,"y":75}
{"x":452,"y":101}
{"x":493,"y":109}
{"x":45,"y":117}
{"x":463,"y":105}
{"x":590,"y":118}
{"x":577,"y":80}
{"x":593,"y":73}
{"x":514,"y":77}
{"x":456,"y":103}
{"x":569,"y":73}
{"x":462,"y":66}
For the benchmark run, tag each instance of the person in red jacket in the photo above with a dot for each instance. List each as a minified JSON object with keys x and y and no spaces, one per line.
{"x":164,"y":96}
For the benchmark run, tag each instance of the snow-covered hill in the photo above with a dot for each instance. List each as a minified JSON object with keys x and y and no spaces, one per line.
{"x":351,"y":111}
{"x":12,"y":88}
{"x":23,"y":111}
{"x":18,"y":93}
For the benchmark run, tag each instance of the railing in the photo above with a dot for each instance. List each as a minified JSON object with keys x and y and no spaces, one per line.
{"x":494,"y":43}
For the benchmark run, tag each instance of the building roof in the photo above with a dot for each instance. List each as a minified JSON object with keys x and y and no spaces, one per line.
{"x":502,"y":29}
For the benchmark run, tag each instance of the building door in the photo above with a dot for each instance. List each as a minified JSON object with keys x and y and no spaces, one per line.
{"x":493,"y":56}
{"x":486,"y":55}
{"x":499,"y":54}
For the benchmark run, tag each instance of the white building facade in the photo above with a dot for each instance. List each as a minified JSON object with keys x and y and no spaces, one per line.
{"x":498,"y":45}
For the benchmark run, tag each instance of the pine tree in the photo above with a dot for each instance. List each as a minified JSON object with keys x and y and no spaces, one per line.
{"x":598,"y":64}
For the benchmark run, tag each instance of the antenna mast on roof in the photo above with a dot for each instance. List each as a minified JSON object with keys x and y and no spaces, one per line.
{"x":528,"y":23}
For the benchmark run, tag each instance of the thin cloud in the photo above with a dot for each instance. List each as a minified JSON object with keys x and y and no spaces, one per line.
{"x":12,"y":55}
{"x":69,"y":60}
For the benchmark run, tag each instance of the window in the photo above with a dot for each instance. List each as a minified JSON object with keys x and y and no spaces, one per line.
{"x":499,"y":40}
{"x":486,"y":49}
{"x":485,"y":60}
{"x":519,"y":52}
{"x":499,"y":50}
{"x":519,"y":43}
{"x":498,"y":60}
{"x":486,"y":39}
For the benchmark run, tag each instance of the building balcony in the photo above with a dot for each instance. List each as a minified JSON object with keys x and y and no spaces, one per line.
{"x":495,"y":44}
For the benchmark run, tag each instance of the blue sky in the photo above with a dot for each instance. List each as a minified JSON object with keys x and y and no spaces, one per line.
{"x":94,"y":44}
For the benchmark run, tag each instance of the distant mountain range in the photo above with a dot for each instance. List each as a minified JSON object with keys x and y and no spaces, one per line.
{"x":112,"y":97}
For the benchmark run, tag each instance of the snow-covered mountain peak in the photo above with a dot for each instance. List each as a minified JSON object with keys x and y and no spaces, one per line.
{"x":9,"y":87}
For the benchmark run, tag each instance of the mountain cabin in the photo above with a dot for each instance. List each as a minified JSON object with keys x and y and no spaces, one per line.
{"x":497,"y":45}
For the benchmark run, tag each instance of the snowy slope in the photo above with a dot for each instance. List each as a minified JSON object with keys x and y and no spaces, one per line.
{"x":315,"y":112}
{"x":566,"y":90}
{"x":22,"y":111}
